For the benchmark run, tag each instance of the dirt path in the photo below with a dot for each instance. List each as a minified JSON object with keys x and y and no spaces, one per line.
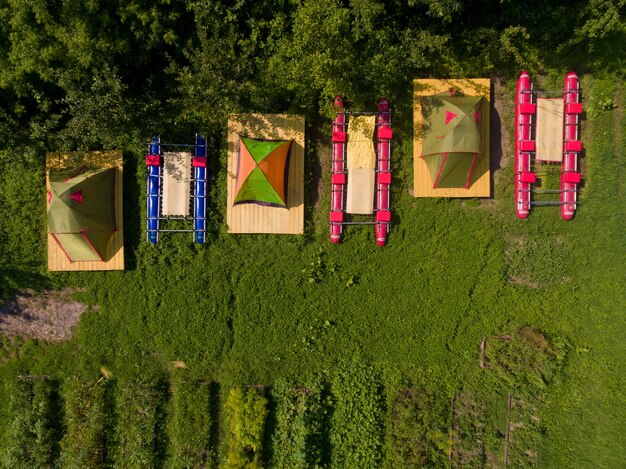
{"x":47,"y":315}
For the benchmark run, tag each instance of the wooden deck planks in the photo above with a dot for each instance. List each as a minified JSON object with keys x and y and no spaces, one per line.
{"x":57,"y":260}
{"x":481,"y":177}
{"x":253,"y":218}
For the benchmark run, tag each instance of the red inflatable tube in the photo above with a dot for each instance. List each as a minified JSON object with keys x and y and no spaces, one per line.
{"x":525,"y":110}
{"x":383,"y":171}
{"x":570,"y":174}
{"x":338,"y":182}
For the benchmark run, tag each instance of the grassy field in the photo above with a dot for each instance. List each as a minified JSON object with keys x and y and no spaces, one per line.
{"x":256,"y":310}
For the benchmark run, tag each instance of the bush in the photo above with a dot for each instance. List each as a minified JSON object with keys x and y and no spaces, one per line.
{"x":33,"y":434}
{"x":89,"y":417}
{"x":245,"y":413}
{"x":301,"y":418}
{"x":190,"y":424}
{"x":357,"y":423}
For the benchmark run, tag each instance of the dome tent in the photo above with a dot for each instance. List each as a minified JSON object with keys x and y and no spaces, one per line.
{"x":262,"y":172}
{"x":452,"y":143}
{"x":81,"y":212}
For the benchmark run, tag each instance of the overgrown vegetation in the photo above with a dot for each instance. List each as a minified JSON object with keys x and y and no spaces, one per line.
{"x":419,"y":430}
{"x":190,"y":424}
{"x":245,"y":412}
{"x":525,"y":358}
{"x":357,"y":435}
{"x":89,"y":418}
{"x":244,"y":310}
{"x":141,"y":423}
{"x":33,"y":438}
{"x":302,"y":416}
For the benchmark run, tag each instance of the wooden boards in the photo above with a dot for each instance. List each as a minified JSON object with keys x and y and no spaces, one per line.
{"x":549,"y":139}
{"x":481,"y":178}
{"x":57,"y":260}
{"x":254,"y":218}
{"x":360,"y":191}
{"x":176,"y":183}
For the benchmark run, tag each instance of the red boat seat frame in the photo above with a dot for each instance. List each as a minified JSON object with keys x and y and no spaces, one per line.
{"x":385,"y":133}
{"x":527,"y":145}
{"x":573,"y":146}
{"x":339,"y":137}
{"x":336,"y":216}
{"x":153,"y":160}
{"x":383,"y":215}
{"x":339,"y":178}
{"x":199,"y":162}
{"x":528,"y":108}
{"x":571,"y":177}
{"x":384,"y":178}
{"x":574,"y":108}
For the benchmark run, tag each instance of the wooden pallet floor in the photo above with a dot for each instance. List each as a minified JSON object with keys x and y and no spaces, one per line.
{"x":253,"y":218}
{"x":57,"y":260}
{"x":481,"y":177}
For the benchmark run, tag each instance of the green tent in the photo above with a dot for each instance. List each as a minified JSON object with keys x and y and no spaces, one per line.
{"x":81,"y":212}
{"x":262,"y":173}
{"x":452,"y":137}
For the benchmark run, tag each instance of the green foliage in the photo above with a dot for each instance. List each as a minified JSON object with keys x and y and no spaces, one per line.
{"x":242,"y":309}
{"x":418,"y":430}
{"x":357,"y":430}
{"x":34,"y":432}
{"x":526,"y":357}
{"x":140,"y":423}
{"x":190,"y":421}
{"x":89,"y":418}
{"x":245,"y":412}
{"x":302,"y":413}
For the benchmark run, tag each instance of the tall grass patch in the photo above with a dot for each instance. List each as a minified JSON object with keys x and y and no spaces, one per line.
{"x":190,"y":421}
{"x":140,"y":423}
{"x":35,"y":431}
{"x":89,"y":419}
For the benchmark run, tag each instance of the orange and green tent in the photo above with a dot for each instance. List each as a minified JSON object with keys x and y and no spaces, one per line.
{"x":452,"y":137}
{"x":81,"y":212}
{"x":262,"y":173}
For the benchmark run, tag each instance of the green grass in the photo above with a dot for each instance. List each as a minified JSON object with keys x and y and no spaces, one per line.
{"x":249,"y":310}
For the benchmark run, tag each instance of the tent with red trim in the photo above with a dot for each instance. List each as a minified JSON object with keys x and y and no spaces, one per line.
{"x":262,"y":172}
{"x":452,"y":137}
{"x":81,"y":212}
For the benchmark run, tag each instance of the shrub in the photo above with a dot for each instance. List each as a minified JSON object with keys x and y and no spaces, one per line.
{"x":89,"y":417}
{"x":33,"y":434}
{"x":190,"y":423}
{"x":301,"y":417}
{"x":357,"y":422}
{"x":245,"y":413}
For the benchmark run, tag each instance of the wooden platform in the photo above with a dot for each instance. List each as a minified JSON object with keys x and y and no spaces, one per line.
{"x":423,"y":182}
{"x":57,"y":260}
{"x":253,"y":218}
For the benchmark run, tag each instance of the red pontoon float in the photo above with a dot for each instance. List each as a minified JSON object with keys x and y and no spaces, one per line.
{"x":533,"y":139}
{"x":341,"y":179}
